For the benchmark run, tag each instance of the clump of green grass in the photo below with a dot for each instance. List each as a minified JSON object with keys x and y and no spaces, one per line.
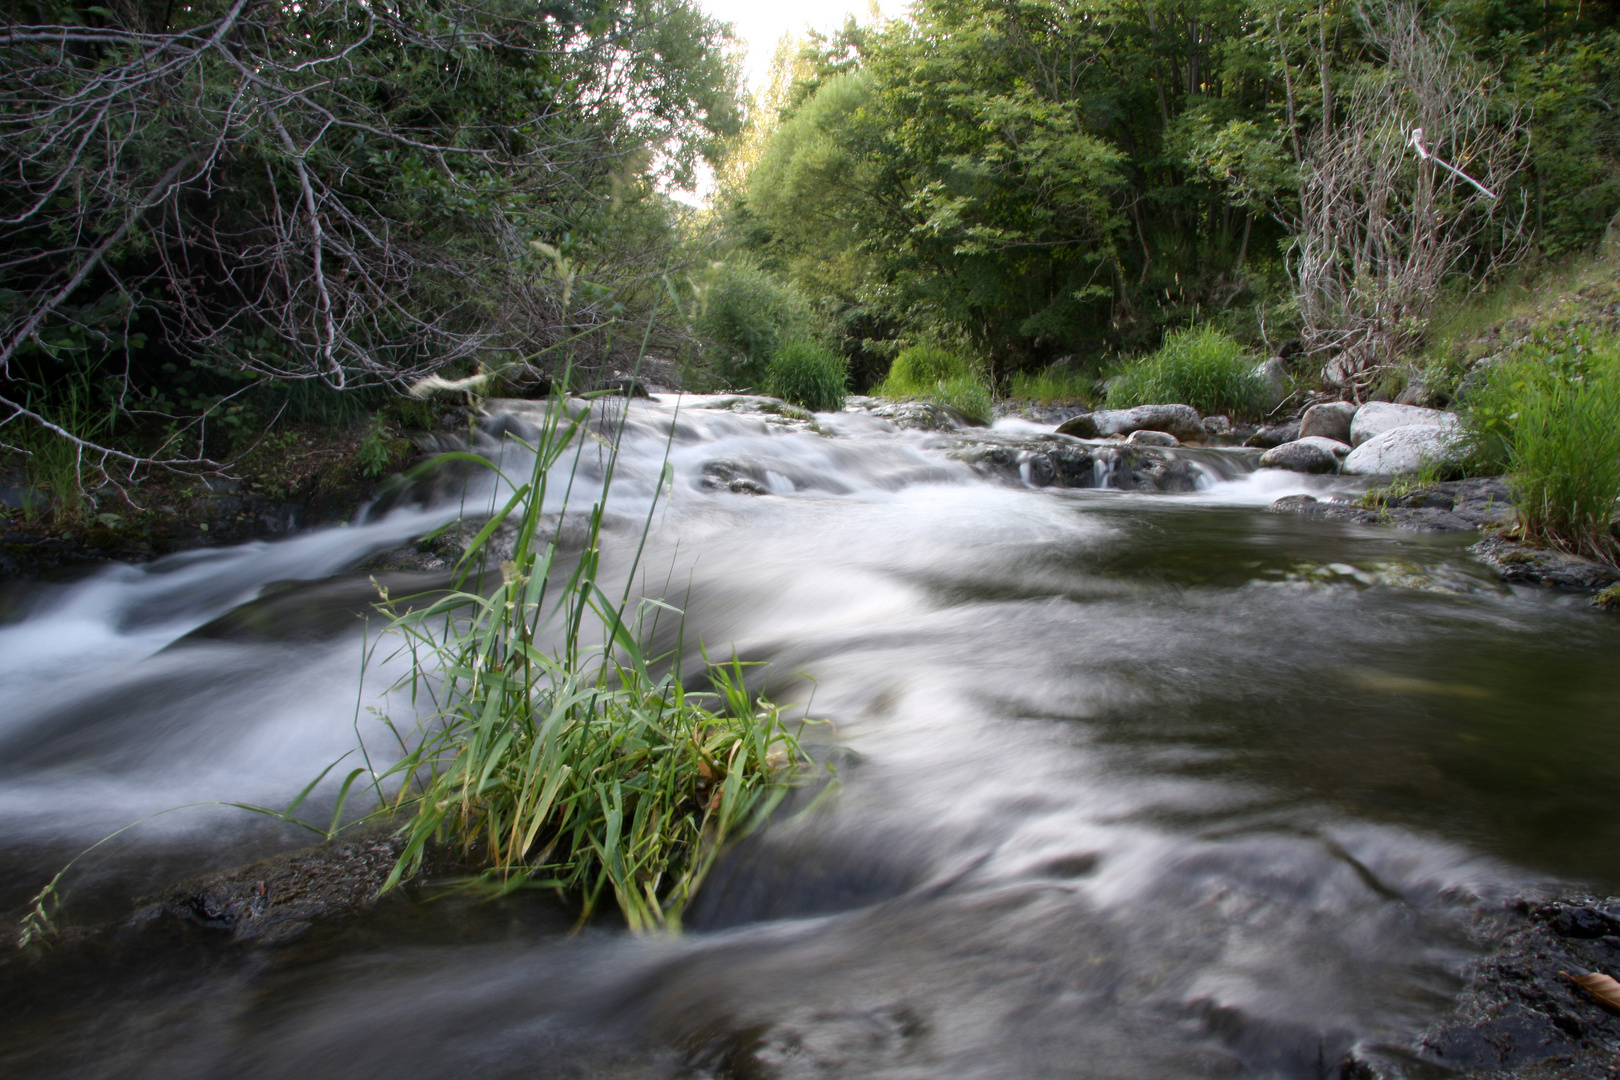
{"x":937,"y":374}
{"x":556,"y":765}
{"x":809,"y":374}
{"x":1548,"y":419}
{"x":1202,"y":367}
{"x":1048,"y":387}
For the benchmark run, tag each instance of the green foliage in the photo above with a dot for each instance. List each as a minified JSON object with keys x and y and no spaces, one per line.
{"x":1202,"y":367}
{"x":1548,"y":419}
{"x":1051,"y":386}
{"x":379,"y":450}
{"x":938,"y":374}
{"x":749,"y":314}
{"x":561,"y":766}
{"x":1042,"y":178}
{"x":919,"y":368}
{"x":808,"y":374}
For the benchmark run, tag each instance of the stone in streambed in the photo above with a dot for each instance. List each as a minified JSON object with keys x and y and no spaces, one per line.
{"x":1377,"y":417}
{"x":1309,"y":455}
{"x":1275,"y":435}
{"x":1182,"y":421}
{"x":1405,"y":450}
{"x":1330,"y":420}
{"x":1144,"y":437}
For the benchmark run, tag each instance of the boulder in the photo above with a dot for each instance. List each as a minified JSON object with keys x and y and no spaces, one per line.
{"x":1275,"y":435}
{"x":1218,"y":425}
{"x":1330,"y":420}
{"x":1275,"y":374}
{"x":1405,"y":450}
{"x":1182,"y":421}
{"x":1313,"y":454}
{"x":1377,"y":417}
{"x":1144,"y":437}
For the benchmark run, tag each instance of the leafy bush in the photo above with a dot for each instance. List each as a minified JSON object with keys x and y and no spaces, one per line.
{"x":1548,"y":418}
{"x":808,"y":374}
{"x":1202,"y":367}
{"x":933,"y":373}
{"x":749,"y":315}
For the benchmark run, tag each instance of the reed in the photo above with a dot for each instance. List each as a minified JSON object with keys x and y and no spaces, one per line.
{"x":554,"y":761}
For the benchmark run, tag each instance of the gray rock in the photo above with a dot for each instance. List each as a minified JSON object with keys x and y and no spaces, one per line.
{"x":1182,"y":421}
{"x":1144,"y":437}
{"x":1405,"y":450}
{"x":1309,"y":455}
{"x":1275,"y":435}
{"x":1377,"y":417}
{"x":1330,"y":420}
{"x":1218,"y":425}
{"x":1540,"y":566}
{"x":1275,"y":374}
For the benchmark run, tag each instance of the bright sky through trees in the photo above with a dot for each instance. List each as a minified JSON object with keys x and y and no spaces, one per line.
{"x":761,"y":23}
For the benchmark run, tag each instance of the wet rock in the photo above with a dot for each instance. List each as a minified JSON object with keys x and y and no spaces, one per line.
{"x":1145,"y":437}
{"x":1524,"y":564}
{"x":278,"y":899}
{"x":1519,"y":1016}
{"x":1329,"y":420}
{"x":1274,"y":435}
{"x":1218,"y":425}
{"x":1452,"y":506}
{"x":734,"y":476}
{"x":1308,"y":455}
{"x":1377,"y":417}
{"x":923,"y":416}
{"x":1182,"y":421}
{"x":1608,"y":599}
{"x":1405,"y":450}
{"x":1036,"y":469}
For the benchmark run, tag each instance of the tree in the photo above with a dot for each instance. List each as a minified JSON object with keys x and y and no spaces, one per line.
{"x":348,"y":191}
{"x":1384,"y":220}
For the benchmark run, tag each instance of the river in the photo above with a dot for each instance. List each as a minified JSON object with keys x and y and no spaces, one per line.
{"x":1130,"y":784}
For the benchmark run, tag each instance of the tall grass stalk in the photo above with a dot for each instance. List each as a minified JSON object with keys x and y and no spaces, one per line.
{"x":1550,"y":420}
{"x":934,"y":373}
{"x":1202,"y":367}
{"x":554,"y":763}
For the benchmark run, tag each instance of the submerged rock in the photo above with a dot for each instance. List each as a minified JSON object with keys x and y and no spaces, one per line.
{"x":1329,"y":420}
{"x":1312,"y":454}
{"x":1405,"y":450}
{"x":1377,"y":417}
{"x":1182,"y":421}
{"x":1144,"y":437}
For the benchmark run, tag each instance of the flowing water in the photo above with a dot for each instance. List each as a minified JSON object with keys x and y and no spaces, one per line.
{"x":1129,"y":785}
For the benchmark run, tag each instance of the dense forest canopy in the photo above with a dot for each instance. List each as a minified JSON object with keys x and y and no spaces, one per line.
{"x":235,"y":205}
{"x":1039,"y":179}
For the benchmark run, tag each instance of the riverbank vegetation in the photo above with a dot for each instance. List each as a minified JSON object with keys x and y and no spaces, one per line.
{"x":1063,"y":193}
{"x":554,"y":761}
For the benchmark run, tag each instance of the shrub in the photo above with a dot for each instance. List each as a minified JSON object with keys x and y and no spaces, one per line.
{"x":919,"y":368}
{"x":808,"y":374}
{"x":748,"y":315}
{"x":1202,"y":367}
{"x":933,"y":373}
{"x":967,"y":394}
{"x":1051,"y":386}
{"x":1549,"y":419}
